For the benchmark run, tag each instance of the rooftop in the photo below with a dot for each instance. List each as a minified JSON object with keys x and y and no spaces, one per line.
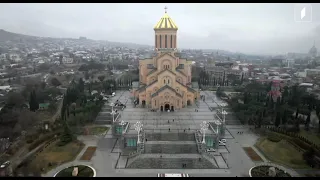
{"x":166,"y":23}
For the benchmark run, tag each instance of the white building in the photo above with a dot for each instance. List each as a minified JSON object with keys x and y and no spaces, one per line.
{"x":15,"y":57}
{"x":66,"y":60}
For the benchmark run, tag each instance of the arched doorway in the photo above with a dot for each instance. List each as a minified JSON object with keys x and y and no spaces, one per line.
{"x":172,"y":108}
{"x":143,"y":103}
{"x":188,"y":103}
{"x":161,"y":108}
{"x":166,"y":107}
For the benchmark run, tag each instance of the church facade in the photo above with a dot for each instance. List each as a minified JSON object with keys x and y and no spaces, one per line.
{"x":165,"y":78}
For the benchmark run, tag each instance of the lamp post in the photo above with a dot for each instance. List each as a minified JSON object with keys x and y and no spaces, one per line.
{"x":112,"y":112}
{"x":218,"y":123}
{"x":138,"y":127}
{"x":224,"y":113}
{"x":221,"y":106}
{"x":122,"y":123}
{"x":204,"y":126}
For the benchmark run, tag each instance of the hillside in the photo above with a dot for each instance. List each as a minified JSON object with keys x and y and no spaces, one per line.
{"x":9,"y":36}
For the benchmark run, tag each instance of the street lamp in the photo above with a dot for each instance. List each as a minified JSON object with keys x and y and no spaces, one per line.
{"x":222,"y":105}
{"x":224,"y":113}
{"x":218,"y":124}
{"x":204,"y":126}
{"x":138,"y":127}
{"x":112,"y":112}
{"x":122,"y":123}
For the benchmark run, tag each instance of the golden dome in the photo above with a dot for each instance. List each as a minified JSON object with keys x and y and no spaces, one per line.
{"x":166,"y":23}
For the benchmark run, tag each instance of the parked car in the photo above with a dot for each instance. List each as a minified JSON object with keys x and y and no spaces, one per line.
{"x":5,"y":164}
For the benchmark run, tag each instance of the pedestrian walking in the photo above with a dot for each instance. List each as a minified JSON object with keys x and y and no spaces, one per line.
{"x":184,"y":130}
{"x":169,"y":129}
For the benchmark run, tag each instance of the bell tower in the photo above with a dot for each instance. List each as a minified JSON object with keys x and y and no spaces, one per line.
{"x":165,"y":33}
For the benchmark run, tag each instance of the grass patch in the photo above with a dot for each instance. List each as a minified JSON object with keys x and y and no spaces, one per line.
{"x":87,"y":155}
{"x":55,"y":155}
{"x":311,"y":136}
{"x":263,"y":171}
{"x":282,"y":152}
{"x":44,"y":115}
{"x":83,"y":171}
{"x":98,"y":130}
{"x":252,"y":154}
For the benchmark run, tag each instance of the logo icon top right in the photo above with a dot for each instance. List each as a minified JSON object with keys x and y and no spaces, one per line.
{"x":303,"y":13}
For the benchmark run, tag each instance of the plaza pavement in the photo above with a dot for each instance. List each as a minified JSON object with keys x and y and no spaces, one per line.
{"x":110,"y":161}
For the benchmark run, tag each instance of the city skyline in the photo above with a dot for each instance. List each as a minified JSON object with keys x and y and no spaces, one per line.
{"x":245,"y":28}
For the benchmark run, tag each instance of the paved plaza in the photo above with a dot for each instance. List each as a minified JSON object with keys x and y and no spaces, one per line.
{"x":110,"y":160}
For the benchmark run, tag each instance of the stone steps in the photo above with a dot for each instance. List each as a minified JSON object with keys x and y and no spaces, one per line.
{"x":170,"y":142}
{"x":170,"y":161}
{"x":170,"y":136}
{"x":170,"y":148}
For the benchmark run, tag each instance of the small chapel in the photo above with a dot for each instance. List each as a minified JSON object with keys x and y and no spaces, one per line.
{"x":165,"y":77}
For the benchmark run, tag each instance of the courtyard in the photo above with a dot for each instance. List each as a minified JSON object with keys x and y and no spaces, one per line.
{"x":110,"y":160}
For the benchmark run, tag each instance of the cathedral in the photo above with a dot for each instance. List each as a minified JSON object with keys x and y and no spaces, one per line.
{"x":165,"y":78}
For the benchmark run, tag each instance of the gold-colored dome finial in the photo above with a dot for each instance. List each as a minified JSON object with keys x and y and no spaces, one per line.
{"x":166,"y":22}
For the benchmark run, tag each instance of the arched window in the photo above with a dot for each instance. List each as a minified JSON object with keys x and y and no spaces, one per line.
{"x":156,"y":40}
{"x":164,"y":81}
{"x":168,"y":81}
{"x":165,"y":41}
{"x":160,"y":41}
{"x":171,"y":42}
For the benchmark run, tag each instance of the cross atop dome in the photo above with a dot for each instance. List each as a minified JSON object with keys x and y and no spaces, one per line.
{"x":165,"y":9}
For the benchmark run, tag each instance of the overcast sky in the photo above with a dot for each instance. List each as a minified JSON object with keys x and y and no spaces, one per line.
{"x":247,"y":28}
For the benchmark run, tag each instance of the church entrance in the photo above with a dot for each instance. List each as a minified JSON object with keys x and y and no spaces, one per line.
{"x":161,"y":108}
{"x":172,"y":109}
{"x":188,"y":103}
{"x":166,"y":107}
{"x":143,"y":103}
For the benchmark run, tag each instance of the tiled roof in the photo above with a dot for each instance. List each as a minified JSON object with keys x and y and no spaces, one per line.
{"x":163,"y":88}
{"x":152,"y":71}
{"x":188,"y":88}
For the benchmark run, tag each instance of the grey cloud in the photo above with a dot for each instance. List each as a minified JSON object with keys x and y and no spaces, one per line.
{"x":248,"y":28}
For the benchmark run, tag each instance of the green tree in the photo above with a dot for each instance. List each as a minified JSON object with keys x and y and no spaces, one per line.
{"x":33,"y":103}
{"x":278,"y":120}
{"x":81,"y":85}
{"x":101,"y":78}
{"x":55,"y":82}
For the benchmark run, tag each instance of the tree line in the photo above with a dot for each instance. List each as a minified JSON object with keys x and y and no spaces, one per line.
{"x":205,"y":79}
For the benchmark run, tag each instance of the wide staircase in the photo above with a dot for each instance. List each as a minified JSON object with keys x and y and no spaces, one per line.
{"x":170,"y":151}
{"x":105,"y":117}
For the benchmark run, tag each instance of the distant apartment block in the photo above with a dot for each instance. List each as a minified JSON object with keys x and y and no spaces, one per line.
{"x":66,"y":60}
